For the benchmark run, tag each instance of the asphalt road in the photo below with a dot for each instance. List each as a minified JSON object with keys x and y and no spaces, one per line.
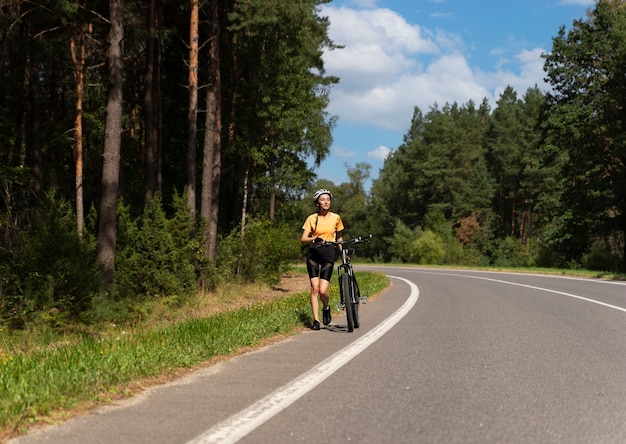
{"x":443,"y":356}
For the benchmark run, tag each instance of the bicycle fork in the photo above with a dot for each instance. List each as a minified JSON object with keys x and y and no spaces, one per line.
{"x":341,"y":270}
{"x":358,"y":299}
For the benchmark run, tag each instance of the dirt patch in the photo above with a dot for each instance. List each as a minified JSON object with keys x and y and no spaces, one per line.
{"x":291,"y":283}
{"x":233,"y":297}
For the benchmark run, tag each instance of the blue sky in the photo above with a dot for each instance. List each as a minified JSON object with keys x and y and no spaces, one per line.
{"x":404,"y":53}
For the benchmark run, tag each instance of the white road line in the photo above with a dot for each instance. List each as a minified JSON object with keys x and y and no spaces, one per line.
{"x":570,"y":295}
{"x":240,"y":424}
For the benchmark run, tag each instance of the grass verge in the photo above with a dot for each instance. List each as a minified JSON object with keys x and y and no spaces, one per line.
{"x":46,"y":383}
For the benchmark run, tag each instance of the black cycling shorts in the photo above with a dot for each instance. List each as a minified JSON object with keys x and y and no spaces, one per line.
{"x":320,"y":261}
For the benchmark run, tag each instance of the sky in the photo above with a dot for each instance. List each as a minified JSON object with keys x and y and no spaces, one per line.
{"x":399,"y":54}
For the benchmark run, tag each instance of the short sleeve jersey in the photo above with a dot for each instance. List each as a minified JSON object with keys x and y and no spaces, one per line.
{"x":324,"y":227}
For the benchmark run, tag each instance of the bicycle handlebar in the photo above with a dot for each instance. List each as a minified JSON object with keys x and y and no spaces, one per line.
{"x":356,"y":240}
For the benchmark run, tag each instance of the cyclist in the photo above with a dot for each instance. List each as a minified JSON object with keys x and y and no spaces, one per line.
{"x":321,"y":226}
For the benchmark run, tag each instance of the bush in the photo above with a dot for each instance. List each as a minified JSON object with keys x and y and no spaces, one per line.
{"x":400,"y":244}
{"x":156,"y":256}
{"x":547,"y":257}
{"x":262,"y":252}
{"x":466,"y":255}
{"x":53,"y":272}
{"x":428,"y":249}
{"x":510,"y":252}
{"x":453,"y":252}
{"x":605,"y":255}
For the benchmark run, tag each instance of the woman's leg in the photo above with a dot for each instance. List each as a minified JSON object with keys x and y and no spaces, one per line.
{"x":326,"y":272}
{"x":323,"y":292}
{"x":315,"y":292}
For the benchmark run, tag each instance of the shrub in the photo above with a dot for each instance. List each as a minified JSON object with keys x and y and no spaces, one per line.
{"x":547,"y":257}
{"x":190,"y":260}
{"x":53,"y":272}
{"x":605,"y":255}
{"x":155,"y":256}
{"x":428,"y":249}
{"x":510,"y":252}
{"x":400,"y":244}
{"x":467,"y":255}
{"x":262,"y":252}
{"x":453,"y":252}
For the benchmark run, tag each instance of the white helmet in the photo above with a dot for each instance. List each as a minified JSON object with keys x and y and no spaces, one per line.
{"x":319,"y":192}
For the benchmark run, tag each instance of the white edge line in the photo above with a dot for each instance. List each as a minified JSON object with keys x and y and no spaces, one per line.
{"x":240,"y":424}
{"x":574,"y":296}
{"x":517,"y":273}
{"x":582,"y":298}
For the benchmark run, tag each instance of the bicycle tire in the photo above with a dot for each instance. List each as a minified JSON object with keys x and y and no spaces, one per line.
{"x":355,"y":304}
{"x":348,"y":297}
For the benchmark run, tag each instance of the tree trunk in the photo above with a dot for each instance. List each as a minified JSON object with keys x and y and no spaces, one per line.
{"x":513,"y":216}
{"x":272,"y":211}
{"x":33,"y":135}
{"x":158,"y":110}
{"x":107,"y":229}
{"x":77,"y":49}
{"x":192,"y":111}
{"x":212,"y":164}
{"x":150,"y":115}
{"x":244,"y":203}
{"x":623,"y":244}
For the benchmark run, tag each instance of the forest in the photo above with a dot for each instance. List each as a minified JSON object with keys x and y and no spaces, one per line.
{"x":151,"y":149}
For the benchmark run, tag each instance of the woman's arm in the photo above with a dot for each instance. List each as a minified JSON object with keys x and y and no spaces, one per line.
{"x":339,"y":238}
{"x":306,"y":237}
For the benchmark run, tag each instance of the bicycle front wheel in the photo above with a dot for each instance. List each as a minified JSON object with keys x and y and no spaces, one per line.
{"x":348,"y":298}
{"x":355,"y":304}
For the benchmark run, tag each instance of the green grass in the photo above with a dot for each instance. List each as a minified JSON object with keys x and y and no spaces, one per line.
{"x":43,"y":381}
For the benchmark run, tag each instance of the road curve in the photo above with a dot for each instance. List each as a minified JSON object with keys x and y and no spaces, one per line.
{"x":442,"y":356}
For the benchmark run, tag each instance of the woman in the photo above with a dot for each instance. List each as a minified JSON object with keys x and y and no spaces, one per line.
{"x":321,"y":226}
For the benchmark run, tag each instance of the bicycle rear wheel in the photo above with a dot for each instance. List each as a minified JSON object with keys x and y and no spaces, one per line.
{"x":348,"y":297}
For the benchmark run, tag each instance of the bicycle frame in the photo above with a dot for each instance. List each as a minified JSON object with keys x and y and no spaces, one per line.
{"x":349,"y":293}
{"x":344,"y":268}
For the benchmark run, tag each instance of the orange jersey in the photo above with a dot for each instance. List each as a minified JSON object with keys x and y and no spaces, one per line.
{"x":324,"y":227}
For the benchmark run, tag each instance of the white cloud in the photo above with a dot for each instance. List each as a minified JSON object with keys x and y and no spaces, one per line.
{"x":389,"y":66}
{"x":442,"y":15}
{"x":531,"y":64}
{"x":376,"y":27}
{"x":379,"y":153}
{"x":390,"y":106}
{"x":343,"y":152}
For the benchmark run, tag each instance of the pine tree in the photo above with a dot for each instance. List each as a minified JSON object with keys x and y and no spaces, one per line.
{"x":587,"y":121}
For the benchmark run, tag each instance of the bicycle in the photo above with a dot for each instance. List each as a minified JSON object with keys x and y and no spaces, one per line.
{"x":349,"y":293}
